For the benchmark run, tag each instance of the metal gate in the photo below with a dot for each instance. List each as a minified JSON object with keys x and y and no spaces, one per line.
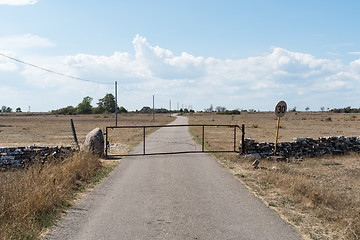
{"x":234,"y":148}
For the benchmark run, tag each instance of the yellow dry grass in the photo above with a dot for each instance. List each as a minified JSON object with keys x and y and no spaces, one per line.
{"x":320,"y":196}
{"x":30,"y":198}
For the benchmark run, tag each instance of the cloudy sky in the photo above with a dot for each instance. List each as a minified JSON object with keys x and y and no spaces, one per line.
{"x":233,"y":53}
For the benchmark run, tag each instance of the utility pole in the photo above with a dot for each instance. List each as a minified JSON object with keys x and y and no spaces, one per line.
{"x":153,"y":108}
{"x":170,"y":107}
{"x":116,"y":106}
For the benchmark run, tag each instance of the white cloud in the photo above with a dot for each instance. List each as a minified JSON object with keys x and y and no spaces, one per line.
{"x":24,"y":41}
{"x":255,"y":82}
{"x":18,"y":2}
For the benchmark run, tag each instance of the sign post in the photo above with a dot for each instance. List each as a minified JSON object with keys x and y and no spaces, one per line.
{"x":280,"y":111}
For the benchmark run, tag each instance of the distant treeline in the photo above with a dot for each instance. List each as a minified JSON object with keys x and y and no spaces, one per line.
{"x":345,"y":110}
{"x":106,"y":104}
{"x":230,"y":112}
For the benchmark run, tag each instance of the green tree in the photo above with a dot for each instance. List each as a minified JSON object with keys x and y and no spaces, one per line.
{"x":18,"y":109}
{"x":106,"y":104}
{"x":122,"y":110}
{"x":69,"y":110}
{"x":6,"y":109}
{"x":85,"y":106}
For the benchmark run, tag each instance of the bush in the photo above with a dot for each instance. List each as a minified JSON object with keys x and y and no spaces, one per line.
{"x":230,"y":112}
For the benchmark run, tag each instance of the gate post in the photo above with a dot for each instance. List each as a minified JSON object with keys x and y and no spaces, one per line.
{"x":144,"y":142}
{"x":203,"y":137}
{"x":106,"y":142}
{"x":243,"y":150}
{"x":234,"y":138}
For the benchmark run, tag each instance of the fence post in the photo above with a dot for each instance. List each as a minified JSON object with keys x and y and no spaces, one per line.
{"x":73,"y":131}
{"x":106,"y":142}
{"x":243,"y":150}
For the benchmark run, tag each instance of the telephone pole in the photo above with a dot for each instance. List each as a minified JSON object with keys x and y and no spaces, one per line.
{"x":153,"y":108}
{"x":170,"y":107}
{"x":116,"y":106}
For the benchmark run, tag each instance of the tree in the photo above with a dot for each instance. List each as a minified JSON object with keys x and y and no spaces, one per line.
{"x":322,"y":109}
{"x":107,"y":104}
{"x":69,"y":110}
{"x":6,"y":109}
{"x":307,"y":109}
{"x":18,"y":109}
{"x":220,"y":109}
{"x":122,"y":110}
{"x":85,"y":106}
{"x":210,"y":109}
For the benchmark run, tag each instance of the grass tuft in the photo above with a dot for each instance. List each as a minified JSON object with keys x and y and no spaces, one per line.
{"x":31,"y":199}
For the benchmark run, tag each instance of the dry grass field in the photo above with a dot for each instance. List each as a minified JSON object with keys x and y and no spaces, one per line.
{"x":320,"y":196}
{"x":32,"y":198}
{"x":55,"y":130}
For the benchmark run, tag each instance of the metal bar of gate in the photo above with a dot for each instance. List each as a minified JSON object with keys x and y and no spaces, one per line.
{"x":182,"y":125}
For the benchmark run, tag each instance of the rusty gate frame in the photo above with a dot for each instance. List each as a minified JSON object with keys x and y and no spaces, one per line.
{"x":242,"y":128}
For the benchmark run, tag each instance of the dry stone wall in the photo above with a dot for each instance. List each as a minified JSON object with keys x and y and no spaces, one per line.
{"x":22,"y":156}
{"x":303,"y":147}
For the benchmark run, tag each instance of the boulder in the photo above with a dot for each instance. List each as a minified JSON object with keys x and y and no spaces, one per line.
{"x":94,"y":142}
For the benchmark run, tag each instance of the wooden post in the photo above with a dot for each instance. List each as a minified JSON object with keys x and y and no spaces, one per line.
{"x":73,"y":131}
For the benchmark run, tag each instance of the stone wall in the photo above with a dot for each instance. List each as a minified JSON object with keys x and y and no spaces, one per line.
{"x":22,"y":156}
{"x":304,"y":147}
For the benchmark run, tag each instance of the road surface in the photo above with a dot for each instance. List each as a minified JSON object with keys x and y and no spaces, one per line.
{"x":185,"y":196}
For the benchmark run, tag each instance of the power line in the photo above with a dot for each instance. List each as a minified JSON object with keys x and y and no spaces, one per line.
{"x":68,"y":76}
{"x":51,"y":71}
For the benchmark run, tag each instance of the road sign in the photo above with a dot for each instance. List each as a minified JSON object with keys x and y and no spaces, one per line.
{"x":280,"y":109}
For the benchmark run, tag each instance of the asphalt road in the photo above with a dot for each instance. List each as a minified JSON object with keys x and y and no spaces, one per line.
{"x":186,"y":196}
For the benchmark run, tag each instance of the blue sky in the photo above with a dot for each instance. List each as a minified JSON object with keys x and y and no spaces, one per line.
{"x":237,"y":54}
